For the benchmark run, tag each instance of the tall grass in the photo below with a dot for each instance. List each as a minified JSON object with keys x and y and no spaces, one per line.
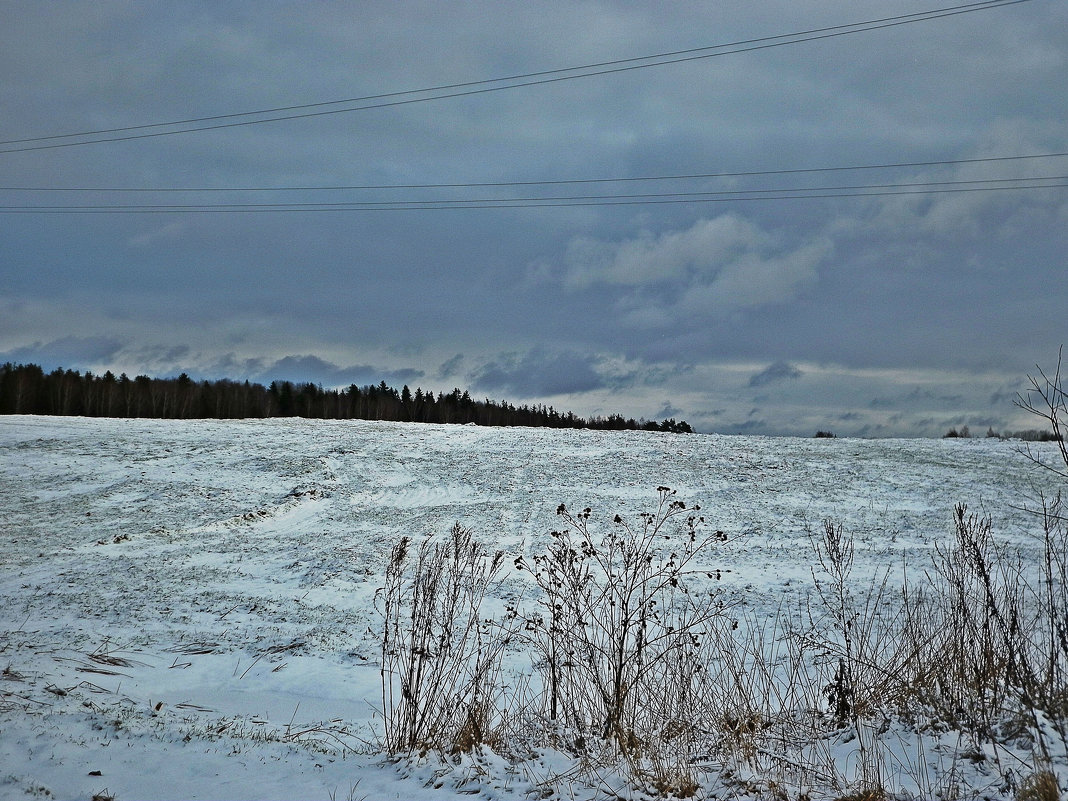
{"x":440,"y":658}
{"x":640,"y":664}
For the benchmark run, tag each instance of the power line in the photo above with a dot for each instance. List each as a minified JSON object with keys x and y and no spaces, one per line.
{"x":862,"y":190}
{"x":913,"y":184}
{"x":551,"y":182}
{"x":390,"y":99}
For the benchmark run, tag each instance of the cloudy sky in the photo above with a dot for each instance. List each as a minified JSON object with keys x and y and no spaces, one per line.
{"x":483,"y":236}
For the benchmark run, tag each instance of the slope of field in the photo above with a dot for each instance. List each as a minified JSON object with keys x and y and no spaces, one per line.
{"x":187,"y":608}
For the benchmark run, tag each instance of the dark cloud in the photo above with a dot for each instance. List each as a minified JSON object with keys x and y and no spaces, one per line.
{"x":668,"y":410}
{"x":1002,"y":397}
{"x":312,"y":369}
{"x":161,"y":354}
{"x":921,"y":398}
{"x":756,"y":425}
{"x":75,"y":353}
{"x":774,"y":373}
{"x":450,"y":367}
{"x":230,"y":366}
{"x":538,"y":372}
{"x":928,"y":396}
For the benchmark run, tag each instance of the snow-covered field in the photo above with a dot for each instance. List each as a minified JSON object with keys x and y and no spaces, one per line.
{"x":186,"y":608}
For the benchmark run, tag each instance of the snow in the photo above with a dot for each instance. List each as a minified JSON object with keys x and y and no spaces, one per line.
{"x":186,"y":607}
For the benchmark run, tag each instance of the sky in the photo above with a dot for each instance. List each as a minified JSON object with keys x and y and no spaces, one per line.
{"x":810,"y":298}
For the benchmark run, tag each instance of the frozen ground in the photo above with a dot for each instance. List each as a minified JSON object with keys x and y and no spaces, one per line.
{"x":186,"y":607}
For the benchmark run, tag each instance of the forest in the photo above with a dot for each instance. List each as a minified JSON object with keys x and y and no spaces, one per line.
{"x":28,"y":389}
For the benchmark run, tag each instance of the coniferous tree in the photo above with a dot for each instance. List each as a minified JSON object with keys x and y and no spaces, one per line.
{"x":25,"y":389}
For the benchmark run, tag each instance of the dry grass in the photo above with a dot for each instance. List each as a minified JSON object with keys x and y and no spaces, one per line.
{"x":639,"y":673}
{"x":1039,"y":786}
{"x":440,"y":659}
{"x":643,"y":672}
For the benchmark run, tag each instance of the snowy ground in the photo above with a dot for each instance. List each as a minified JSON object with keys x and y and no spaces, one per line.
{"x":186,"y":607}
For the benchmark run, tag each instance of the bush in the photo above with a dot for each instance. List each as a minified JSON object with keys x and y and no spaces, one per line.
{"x":623,"y":626}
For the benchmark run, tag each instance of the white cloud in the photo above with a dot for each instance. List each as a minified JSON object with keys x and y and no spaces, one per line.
{"x":716,"y":266}
{"x":756,"y":280}
{"x":704,"y":249}
{"x":166,"y":233}
{"x":969,"y":210}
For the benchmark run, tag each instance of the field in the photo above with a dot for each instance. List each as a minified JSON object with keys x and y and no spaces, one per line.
{"x":187,"y":609}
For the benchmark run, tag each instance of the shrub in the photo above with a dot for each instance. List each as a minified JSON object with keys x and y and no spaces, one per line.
{"x":623,"y":628}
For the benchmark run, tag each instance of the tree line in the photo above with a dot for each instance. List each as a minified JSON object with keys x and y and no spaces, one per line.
{"x":28,"y":389}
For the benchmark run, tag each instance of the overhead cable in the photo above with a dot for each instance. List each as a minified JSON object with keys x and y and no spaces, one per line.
{"x":469,"y":88}
{"x":863,"y":190}
{"x":549,"y":182}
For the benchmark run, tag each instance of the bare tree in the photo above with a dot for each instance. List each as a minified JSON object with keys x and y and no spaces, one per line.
{"x":1048,"y":399}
